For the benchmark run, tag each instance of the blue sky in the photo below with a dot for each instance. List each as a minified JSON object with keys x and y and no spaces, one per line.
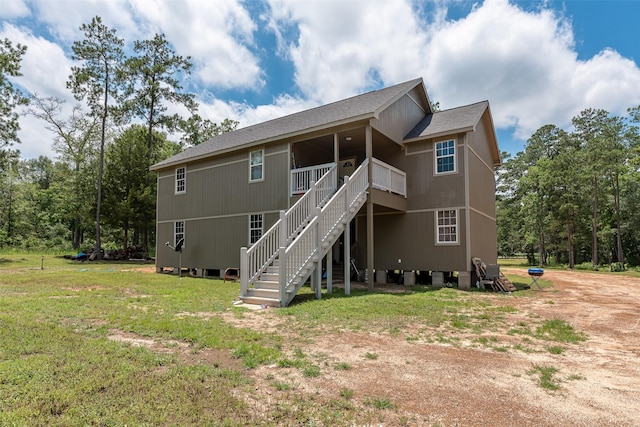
{"x":536,"y":62}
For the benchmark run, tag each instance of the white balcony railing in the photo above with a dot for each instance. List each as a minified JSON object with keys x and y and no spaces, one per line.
{"x":301,"y":178}
{"x":387,"y":178}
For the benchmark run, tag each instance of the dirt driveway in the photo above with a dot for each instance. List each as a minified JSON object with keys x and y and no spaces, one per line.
{"x":465,"y":384}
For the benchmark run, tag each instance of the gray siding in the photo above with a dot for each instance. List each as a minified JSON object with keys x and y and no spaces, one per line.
{"x":425,"y":190}
{"x":411,"y":238}
{"x":216,"y":206}
{"x":482,"y":222}
{"x":397,"y":120}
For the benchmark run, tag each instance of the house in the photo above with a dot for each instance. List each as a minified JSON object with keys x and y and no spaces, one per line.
{"x":378,"y":178}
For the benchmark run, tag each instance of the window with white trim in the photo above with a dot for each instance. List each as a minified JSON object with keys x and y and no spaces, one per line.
{"x":256,"y":165}
{"x":447,"y":226}
{"x":255,"y":227}
{"x":446,"y":156}
{"x":178,"y":233}
{"x":181,"y":180}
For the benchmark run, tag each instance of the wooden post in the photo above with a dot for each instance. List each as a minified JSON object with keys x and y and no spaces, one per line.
{"x":244,"y":271}
{"x":283,"y":231}
{"x":318,"y":272}
{"x":282,"y":269}
{"x":346,"y":240}
{"x":329,"y":259}
{"x":370,"y":252}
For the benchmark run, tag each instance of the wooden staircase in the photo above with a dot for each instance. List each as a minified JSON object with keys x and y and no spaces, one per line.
{"x":283,"y":269}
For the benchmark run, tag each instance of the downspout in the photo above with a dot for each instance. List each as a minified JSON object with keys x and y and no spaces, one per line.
{"x":467,"y":210}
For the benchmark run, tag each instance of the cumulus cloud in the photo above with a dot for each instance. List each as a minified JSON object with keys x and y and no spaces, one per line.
{"x":524,"y":62}
{"x":344,"y":48}
{"x":14,"y":9}
{"x":217,"y":36}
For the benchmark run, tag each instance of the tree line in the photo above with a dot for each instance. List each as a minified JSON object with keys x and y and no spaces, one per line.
{"x":99,"y":185}
{"x":574,"y":197}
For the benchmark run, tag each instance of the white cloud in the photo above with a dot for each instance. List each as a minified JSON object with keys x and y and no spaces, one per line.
{"x":45,"y":70}
{"x":347,"y":47}
{"x":526,"y":65}
{"x":215,"y":34}
{"x":524,"y":62}
{"x":14,"y":9}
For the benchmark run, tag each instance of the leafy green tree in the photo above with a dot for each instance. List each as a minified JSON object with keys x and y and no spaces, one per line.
{"x":97,"y":80}
{"x":130,"y":190}
{"x":153,"y":84}
{"x":589,"y":128}
{"x":196,"y":130}
{"x":76,"y":139}
{"x":10,"y":97}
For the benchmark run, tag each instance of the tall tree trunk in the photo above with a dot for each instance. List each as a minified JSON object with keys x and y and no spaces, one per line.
{"x":101,"y":168}
{"x":570,"y":245}
{"x":618,"y":227}
{"x":594,"y":225}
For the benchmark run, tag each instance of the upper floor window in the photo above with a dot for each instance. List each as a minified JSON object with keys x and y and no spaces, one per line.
{"x":446,"y":156}
{"x":181,"y":180}
{"x":255,"y":227}
{"x":447,"y":226}
{"x":256,"y":165}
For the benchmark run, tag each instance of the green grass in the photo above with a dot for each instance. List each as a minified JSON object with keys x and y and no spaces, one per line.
{"x":545,"y":377}
{"x":559,"y":330}
{"x":59,"y":367}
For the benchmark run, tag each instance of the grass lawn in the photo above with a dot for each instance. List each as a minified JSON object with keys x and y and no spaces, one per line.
{"x":58,"y":365}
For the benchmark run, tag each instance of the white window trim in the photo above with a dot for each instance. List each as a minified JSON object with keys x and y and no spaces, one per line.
{"x":261,"y":166}
{"x":261,"y":226}
{"x":455,"y":157}
{"x":176,"y":233}
{"x":437,"y":228}
{"x":177,"y":180}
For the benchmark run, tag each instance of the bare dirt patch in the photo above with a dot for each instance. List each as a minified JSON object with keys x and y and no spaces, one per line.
{"x":180,"y":349}
{"x":461,"y":383}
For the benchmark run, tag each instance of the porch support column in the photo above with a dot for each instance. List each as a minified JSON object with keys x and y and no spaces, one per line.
{"x":336,"y":154}
{"x":329,"y":259}
{"x":347,"y":258}
{"x":370,"y":258}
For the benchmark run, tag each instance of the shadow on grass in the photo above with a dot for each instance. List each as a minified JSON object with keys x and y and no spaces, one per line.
{"x":306,"y":294}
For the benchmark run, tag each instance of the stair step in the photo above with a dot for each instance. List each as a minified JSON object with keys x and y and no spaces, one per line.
{"x":270,"y":277}
{"x":266,"y":284}
{"x":260,"y":301}
{"x":264,"y":293}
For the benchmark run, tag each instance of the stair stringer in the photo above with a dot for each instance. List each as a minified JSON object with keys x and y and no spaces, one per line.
{"x":327,"y":242}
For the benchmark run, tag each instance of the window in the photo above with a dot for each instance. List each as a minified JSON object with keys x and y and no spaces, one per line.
{"x":178,"y":233}
{"x":446,"y":156}
{"x":181,"y":180}
{"x":447,"y":226}
{"x":255,"y":228}
{"x":256,"y":165}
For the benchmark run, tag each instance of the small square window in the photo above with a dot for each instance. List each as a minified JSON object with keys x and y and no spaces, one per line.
{"x":447,"y":226}
{"x":181,"y":180}
{"x":445,"y":156}
{"x":256,"y":165}
{"x":255,"y":228}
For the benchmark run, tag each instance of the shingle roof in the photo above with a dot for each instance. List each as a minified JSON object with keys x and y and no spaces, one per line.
{"x":351,"y":109}
{"x":448,"y":121}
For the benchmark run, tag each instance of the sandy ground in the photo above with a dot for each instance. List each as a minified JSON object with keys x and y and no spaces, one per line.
{"x":463,"y":383}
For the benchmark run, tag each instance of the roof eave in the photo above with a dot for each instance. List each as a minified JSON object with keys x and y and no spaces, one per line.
{"x":440,"y":134}
{"x":366,"y":116}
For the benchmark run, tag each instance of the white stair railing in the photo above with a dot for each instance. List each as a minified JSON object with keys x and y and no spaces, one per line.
{"x":315,"y":239}
{"x":255,"y":260}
